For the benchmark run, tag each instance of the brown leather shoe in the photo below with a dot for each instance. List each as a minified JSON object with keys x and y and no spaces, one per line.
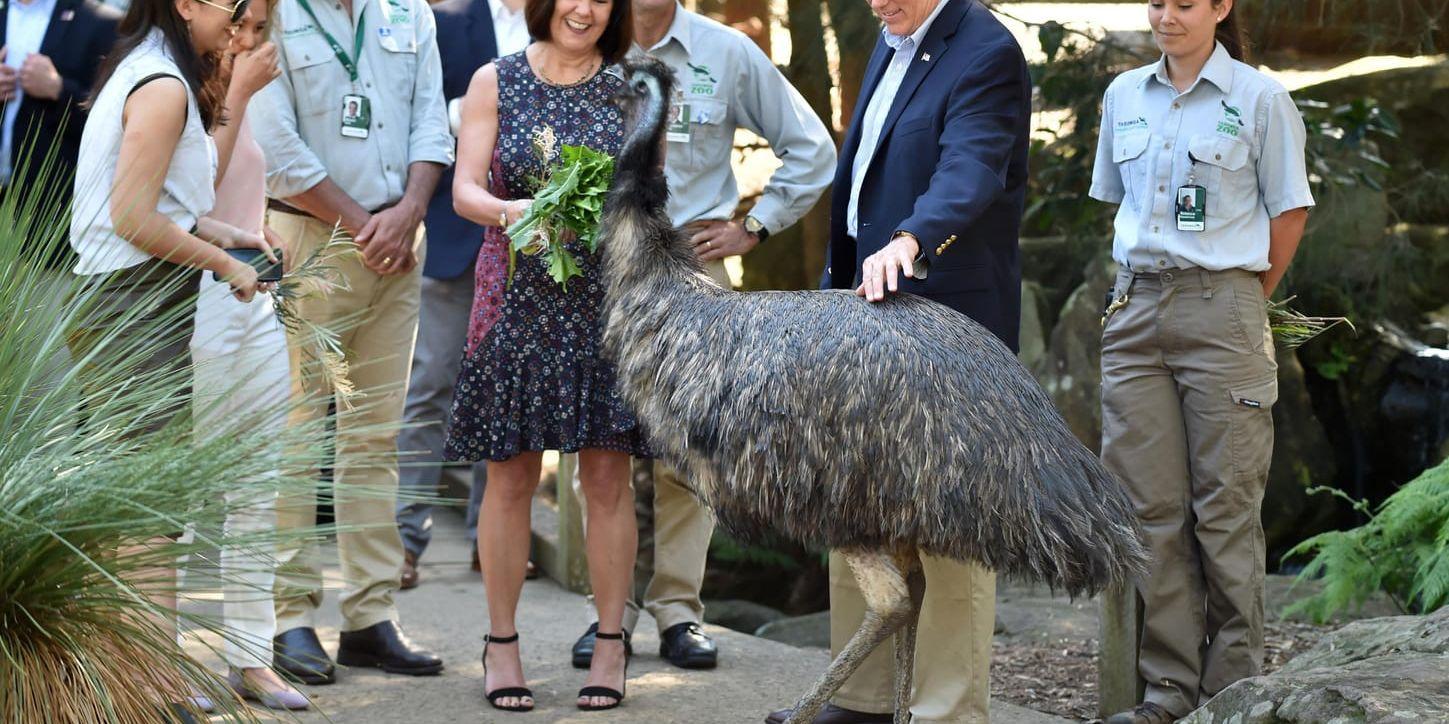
{"x":531,"y":572}
{"x":409,"y":571}
{"x":833,"y":714}
{"x":1144,"y":713}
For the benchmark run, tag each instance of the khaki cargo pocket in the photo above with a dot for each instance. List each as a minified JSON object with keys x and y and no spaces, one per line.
{"x":1251,"y":423}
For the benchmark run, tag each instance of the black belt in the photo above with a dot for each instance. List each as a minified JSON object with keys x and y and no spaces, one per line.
{"x":286,"y":208}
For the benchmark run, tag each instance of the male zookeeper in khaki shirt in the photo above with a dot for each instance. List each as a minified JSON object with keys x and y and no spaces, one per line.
{"x":356,"y":135}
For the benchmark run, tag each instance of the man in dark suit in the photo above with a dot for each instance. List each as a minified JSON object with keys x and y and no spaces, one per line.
{"x":471,"y":33}
{"x":51,"y":49}
{"x":928,"y":199}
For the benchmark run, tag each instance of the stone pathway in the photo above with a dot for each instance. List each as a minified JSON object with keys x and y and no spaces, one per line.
{"x":447,"y":613}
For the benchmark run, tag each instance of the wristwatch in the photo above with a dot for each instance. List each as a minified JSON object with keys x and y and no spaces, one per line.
{"x":754,"y":226}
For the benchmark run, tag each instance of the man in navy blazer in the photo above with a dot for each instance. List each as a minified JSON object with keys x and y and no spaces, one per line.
{"x":49,"y":66}
{"x":928,"y":199}
{"x":471,"y":33}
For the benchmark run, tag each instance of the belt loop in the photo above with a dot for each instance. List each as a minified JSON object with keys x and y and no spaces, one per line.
{"x":1207,"y":283}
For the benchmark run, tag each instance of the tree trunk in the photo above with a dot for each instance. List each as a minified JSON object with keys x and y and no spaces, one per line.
{"x":856,"y":31}
{"x":794,"y":257}
{"x":751,"y":17}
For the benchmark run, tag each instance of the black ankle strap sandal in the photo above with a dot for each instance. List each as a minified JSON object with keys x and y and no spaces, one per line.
{"x":507,"y":692}
{"x":604,"y":691}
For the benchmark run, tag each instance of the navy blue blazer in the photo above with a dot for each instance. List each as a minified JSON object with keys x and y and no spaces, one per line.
{"x":465,"y":44}
{"x":80,"y":34}
{"x":950,"y":168}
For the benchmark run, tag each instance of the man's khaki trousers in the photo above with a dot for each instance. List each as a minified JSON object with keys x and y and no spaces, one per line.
{"x":953,"y":644}
{"x":682,"y":530}
{"x":378,"y":319}
{"x":1188,"y":383}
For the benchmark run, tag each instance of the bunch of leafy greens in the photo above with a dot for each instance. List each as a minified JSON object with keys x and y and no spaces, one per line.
{"x":570,"y":204}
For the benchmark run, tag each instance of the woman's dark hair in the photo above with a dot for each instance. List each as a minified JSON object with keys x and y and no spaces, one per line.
{"x":197,"y":71}
{"x":614,"y":43}
{"x":1230,"y":34}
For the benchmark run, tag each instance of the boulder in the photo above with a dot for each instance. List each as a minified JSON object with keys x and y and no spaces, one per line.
{"x":1033,"y":335}
{"x":1072,"y":373}
{"x":1418,"y":97}
{"x":1379,"y":670}
{"x":808,"y":631}
{"x":740,"y":615}
{"x":1302,"y":456}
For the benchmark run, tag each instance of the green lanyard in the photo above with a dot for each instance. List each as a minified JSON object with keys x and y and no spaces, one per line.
{"x":347,"y":62}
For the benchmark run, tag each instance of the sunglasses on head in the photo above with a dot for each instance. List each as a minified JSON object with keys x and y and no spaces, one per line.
{"x":237,"y":11}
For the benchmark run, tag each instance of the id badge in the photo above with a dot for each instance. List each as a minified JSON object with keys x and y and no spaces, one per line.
{"x":356,"y":116}
{"x":1191,"y":208}
{"x":679,"y":117}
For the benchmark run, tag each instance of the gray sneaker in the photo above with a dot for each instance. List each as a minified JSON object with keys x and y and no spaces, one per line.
{"x":1144,"y":713}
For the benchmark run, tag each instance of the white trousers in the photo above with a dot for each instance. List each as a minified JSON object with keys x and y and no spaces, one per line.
{"x":241,"y":368}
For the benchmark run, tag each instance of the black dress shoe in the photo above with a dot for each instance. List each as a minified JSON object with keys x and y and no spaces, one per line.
{"x":833,"y":714}
{"x":301,"y":658}
{"x":383,"y":645}
{"x":687,"y":645}
{"x":583,"y":651}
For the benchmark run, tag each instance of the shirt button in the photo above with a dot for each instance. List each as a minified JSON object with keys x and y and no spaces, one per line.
{"x":379,"y":125}
{"x":1161,"y":188}
{"x":1218,"y":156}
{"x":1175,"y":106}
{"x":1155,"y":229}
{"x":1161,"y":262}
{"x":1167,"y":145}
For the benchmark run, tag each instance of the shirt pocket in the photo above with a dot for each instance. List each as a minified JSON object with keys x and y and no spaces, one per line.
{"x":399,"y":61}
{"x":707,"y":132}
{"x":313,"y":86}
{"x":1222,"y":168}
{"x":1127,"y":153}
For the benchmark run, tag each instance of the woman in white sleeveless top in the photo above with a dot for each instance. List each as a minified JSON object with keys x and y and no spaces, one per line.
{"x":144,"y":187}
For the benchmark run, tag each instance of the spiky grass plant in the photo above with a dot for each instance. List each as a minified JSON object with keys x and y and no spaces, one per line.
{"x":93,"y":487}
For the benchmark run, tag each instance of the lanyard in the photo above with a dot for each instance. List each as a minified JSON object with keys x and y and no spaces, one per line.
{"x":347,"y":62}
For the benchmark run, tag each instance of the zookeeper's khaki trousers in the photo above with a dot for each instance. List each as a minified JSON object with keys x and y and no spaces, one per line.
{"x":379,"y":320}
{"x":952,"y":680}
{"x":1188,"y":383}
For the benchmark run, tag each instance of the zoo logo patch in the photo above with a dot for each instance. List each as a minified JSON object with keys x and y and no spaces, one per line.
{"x":704,"y":82}
{"x":1232,"y":120}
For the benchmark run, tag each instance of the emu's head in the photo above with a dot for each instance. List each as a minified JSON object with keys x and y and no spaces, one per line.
{"x":644,"y":99}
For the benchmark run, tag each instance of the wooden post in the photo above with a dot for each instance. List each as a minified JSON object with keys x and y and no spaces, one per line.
{"x":559,"y":542}
{"x":1119,"y":620}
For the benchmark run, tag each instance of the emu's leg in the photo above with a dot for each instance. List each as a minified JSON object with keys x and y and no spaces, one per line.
{"x":906,"y":640}
{"x":887,"y":607}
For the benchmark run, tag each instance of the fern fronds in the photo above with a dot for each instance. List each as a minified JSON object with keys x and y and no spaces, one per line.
{"x":1403,"y":550}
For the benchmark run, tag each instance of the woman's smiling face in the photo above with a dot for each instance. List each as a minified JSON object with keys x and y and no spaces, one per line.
{"x":578,"y":24}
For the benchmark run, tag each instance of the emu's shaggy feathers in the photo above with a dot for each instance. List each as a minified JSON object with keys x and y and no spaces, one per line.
{"x":834,"y":422}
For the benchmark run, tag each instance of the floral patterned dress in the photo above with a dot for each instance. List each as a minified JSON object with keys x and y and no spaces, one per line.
{"x":533,"y":377}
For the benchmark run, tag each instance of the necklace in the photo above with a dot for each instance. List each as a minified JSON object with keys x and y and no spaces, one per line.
{"x":592,"y":70}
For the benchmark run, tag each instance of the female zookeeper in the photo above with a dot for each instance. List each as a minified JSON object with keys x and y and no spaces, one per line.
{"x":1204,"y":154}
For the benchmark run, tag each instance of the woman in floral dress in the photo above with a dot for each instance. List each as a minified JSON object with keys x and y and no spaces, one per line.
{"x":533,"y":378}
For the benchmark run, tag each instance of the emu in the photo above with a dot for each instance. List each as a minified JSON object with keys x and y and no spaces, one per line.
{"x":944,"y":444}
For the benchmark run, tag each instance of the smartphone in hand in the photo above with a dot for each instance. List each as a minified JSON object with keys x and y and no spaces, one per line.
{"x":266,"y":270}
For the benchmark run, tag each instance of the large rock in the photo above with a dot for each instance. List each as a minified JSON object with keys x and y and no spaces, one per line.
{"x":809,"y":631}
{"x":1380,"y":670}
{"x":1418,"y":97}
{"x":1033,"y":335}
{"x":1302,"y":456}
{"x":740,"y":615}
{"x":1072,"y":374}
